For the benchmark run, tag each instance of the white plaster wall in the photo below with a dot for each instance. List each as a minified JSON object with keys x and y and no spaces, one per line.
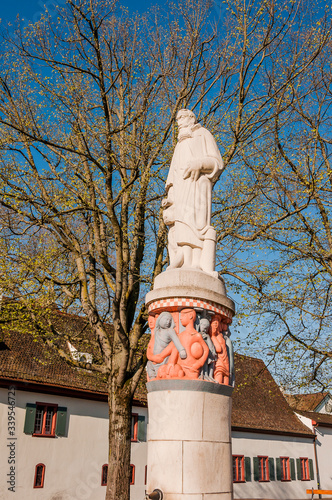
{"x":324,"y":456}
{"x":252,"y":445}
{"x":73,"y":463}
{"x":324,"y":451}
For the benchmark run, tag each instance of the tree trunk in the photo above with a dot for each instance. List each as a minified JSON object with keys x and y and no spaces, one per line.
{"x":118,"y":477}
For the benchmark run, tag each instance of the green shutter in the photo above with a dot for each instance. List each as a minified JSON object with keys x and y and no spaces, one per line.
{"x":271,"y":469}
{"x":278,"y":467}
{"x":256,"y":468}
{"x":298,"y":468}
{"x":247,"y":468}
{"x":30,"y":417}
{"x":311,"y":469}
{"x":292,"y":469}
{"x":141,"y":428}
{"x":61,"y":421}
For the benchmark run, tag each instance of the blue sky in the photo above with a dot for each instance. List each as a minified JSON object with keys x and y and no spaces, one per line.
{"x":31,"y":9}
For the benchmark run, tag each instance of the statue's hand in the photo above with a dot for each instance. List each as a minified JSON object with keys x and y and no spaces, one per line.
{"x":183,"y":354}
{"x":193,"y":170}
{"x":166,"y":203}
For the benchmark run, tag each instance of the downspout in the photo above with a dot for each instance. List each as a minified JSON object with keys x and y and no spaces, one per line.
{"x":314,"y":425}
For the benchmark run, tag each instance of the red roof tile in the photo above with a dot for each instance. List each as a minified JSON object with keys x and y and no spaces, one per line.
{"x":305,"y":402}
{"x":258,"y":402}
{"x":324,"y":419}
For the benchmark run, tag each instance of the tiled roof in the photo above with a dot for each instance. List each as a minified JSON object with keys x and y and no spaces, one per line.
{"x":305,"y":402}
{"x":258,"y":403}
{"x":24,"y":358}
{"x":319,"y":418}
{"x":34,"y":361}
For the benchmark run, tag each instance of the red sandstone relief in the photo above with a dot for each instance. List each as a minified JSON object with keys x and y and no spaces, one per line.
{"x":199,"y":351}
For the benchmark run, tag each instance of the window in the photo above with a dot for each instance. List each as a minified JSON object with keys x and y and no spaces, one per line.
{"x":263,"y":468}
{"x":305,"y":476}
{"x":134,"y":425}
{"x":284,"y":463}
{"x":132,"y":474}
{"x":146,"y":474}
{"x":104,"y":472}
{"x":39,"y":476}
{"x":238,"y":468}
{"x":44,"y":419}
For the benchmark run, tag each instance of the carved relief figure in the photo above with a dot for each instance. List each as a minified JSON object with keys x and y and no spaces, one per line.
{"x":150,"y":366}
{"x":196,"y":348}
{"x":162,"y":343}
{"x":195,"y":167}
{"x":208,"y":368}
{"x":230,"y":353}
{"x":221,"y":371}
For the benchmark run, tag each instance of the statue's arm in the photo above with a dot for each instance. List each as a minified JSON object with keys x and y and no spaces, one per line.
{"x":216,"y":343}
{"x":199,"y":166}
{"x":159,"y":358}
{"x":210,"y":344}
{"x":177,"y":343}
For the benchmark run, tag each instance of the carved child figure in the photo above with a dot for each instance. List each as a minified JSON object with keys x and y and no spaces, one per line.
{"x":208,"y":368}
{"x":221,"y":372}
{"x":162,"y":344}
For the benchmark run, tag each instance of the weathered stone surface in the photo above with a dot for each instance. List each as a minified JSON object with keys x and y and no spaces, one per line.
{"x":189,"y":448}
{"x":189,"y":283}
{"x":176,"y":415}
{"x":165,"y":466}
{"x":206,"y":467}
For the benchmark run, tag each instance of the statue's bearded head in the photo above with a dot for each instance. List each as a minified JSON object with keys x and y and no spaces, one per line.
{"x":185,"y":118}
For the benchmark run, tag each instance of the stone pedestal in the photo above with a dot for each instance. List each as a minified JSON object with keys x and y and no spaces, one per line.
{"x":189,"y":431}
{"x":189,"y":440}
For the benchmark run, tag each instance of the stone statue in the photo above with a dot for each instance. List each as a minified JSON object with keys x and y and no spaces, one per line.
{"x":208,"y":368}
{"x":221,"y":371}
{"x":163,"y":336}
{"x":195,"y":167}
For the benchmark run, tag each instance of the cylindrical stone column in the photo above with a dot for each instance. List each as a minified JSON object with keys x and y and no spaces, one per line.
{"x":189,"y":440}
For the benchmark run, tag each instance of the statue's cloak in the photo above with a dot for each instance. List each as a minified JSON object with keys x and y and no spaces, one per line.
{"x":191,"y":201}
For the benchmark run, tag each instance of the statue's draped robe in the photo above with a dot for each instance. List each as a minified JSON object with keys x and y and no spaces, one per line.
{"x":191,"y":200}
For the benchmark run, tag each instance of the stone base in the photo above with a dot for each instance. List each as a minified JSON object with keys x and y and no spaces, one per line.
{"x":189,"y":440}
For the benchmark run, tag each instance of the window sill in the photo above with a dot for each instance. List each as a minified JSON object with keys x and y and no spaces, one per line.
{"x":44,"y":435}
{"x":237,"y":482}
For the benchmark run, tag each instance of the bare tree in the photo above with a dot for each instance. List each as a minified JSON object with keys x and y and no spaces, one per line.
{"x":278,"y":233}
{"x":87,"y":112}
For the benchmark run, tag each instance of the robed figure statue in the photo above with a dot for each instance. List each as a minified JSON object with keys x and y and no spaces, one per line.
{"x":195,"y":167}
